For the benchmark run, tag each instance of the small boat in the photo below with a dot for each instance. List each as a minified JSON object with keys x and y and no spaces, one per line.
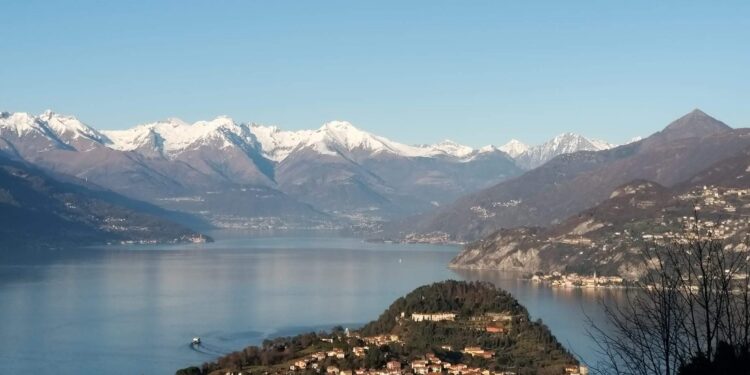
{"x":196,"y":340}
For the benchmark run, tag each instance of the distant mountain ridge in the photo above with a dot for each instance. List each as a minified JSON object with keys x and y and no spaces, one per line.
{"x":566,"y":143}
{"x":238,"y":173}
{"x":173,"y":136}
{"x":41,"y":211}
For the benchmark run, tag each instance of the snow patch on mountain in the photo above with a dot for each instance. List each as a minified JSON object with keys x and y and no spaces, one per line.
{"x":565,"y":143}
{"x":514,"y":148}
{"x":59,"y":129}
{"x":19,"y":123}
{"x":633,"y":140}
{"x":277,"y":144}
{"x":69,"y":127}
{"x":341,"y":137}
{"x":173,"y":136}
{"x":448,"y":147}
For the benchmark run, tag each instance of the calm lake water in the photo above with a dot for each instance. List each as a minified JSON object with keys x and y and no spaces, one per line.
{"x":134,"y":310}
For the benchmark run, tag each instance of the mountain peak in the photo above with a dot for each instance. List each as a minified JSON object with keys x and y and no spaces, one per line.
{"x":171,"y":121}
{"x":337,"y":125}
{"x":565,"y":143}
{"x":219,"y":122}
{"x":452,"y":148}
{"x":694,"y":124}
{"x":19,"y":123}
{"x":514,"y":148}
{"x":69,"y":127}
{"x":341,"y":136}
{"x":488,"y":148}
{"x":697,"y":112}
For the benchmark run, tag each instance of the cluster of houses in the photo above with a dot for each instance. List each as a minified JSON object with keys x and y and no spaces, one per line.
{"x":430,"y":364}
{"x":493,"y":322}
{"x":726,"y":203}
{"x":489,"y":322}
{"x":329,"y":362}
{"x":715,"y":198}
{"x":484,"y":213}
{"x":435,"y":317}
{"x":573,"y":280}
{"x":476,"y":351}
{"x":436,"y":237}
{"x":381,"y":340}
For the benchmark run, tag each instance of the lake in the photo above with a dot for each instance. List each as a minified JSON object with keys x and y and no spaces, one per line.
{"x":134,"y":310}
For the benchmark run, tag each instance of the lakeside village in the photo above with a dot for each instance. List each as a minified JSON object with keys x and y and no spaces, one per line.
{"x":344,"y":350}
{"x":729,"y":225}
{"x":573,"y":280}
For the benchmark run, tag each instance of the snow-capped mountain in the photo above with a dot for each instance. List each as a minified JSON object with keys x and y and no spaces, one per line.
{"x":69,"y":128}
{"x":50,"y":130}
{"x":565,"y":143}
{"x":450,"y":148}
{"x":343,"y":138}
{"x":340,"y":164}
{"x":277,"y":144}
{"x":173,"y":136}
{"x":232,"y":171}
{"x":219,"y":148}
{"x":514,"y":148}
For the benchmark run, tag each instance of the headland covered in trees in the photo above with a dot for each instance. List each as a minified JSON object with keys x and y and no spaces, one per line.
{"x":450,"y":327}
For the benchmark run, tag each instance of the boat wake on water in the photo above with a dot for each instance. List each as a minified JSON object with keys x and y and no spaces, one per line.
{"x":207,"y":349}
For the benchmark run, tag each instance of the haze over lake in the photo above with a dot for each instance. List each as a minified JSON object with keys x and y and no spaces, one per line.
{"x":134,"y":310}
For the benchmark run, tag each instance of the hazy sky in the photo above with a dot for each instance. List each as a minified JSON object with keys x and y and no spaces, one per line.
{"x":415,"y":71}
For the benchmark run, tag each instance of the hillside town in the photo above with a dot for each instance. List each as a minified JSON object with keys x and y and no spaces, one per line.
{"x":427,"y":364}
{"x":717,"y":212}
{"x":327,"y":362}
{"x":446,"y":328}
{"x":602,"y":248}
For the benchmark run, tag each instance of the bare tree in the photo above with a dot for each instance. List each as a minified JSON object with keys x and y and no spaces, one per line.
{"x":694,"y":294}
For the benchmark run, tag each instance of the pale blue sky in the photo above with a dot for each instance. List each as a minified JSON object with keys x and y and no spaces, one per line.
{"x":418,"y":71}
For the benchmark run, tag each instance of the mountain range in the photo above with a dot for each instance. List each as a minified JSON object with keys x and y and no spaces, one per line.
{"x":570,"y":183}
{"x":249,"y":175}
